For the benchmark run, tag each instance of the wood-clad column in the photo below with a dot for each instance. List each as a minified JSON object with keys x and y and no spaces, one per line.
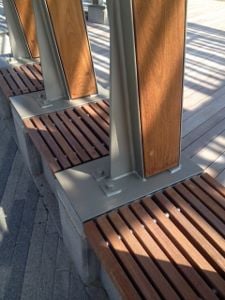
{"x":68,"y":23}
{"x":159,"y":28}
{"x":27,"y":20}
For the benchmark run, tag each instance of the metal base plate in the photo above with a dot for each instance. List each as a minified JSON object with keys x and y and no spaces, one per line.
{"x":84,"y":195}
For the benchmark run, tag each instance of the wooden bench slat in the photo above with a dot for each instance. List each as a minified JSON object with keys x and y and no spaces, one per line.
{"x":87,"y":132}
{"x":143,"y":285}
{"x":212,"y":235}
{"x":169,"y":240}
{"x":212,"y":205}
{"x":187,"y":247}
{"x":51,"y":143}
{"x":60,"y":140}
{"x":100,"y":111}
{"x":104,"y":106}
{"x":36,"y":73}
{"x":97,"y":118}
{"x":41,"y":146}
{"x":109,"y":262}
{"x":70,"y":138}
{"x":19,"y":82}
{"x":38,"y":67}
{"x":213,"y":183}
{"x":142,"y":257}
{"x":193,"y":234}
{"x":32,"y":78}
{"x":201,"y":208}
{"x":158,"y":255}
{"x":93,"y":125}
{"x":210,"y":192}
{"x":178,"y":258}
{"x":71,"y":135}
{"x":10,"y":81}
{"x":25,"y":79}
{"x":79,"y":135}
{"x":5,"y":87}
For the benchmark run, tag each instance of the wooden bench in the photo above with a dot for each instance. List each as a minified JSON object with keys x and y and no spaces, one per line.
{"x":71,"y":137}
{"x":21,"y":80}
{"x":167,"y":246}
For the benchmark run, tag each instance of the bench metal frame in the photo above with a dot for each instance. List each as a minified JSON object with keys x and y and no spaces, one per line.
{"x":20,"y":48}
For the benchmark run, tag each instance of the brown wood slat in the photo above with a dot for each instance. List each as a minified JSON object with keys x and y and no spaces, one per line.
{"x":105,"y":101}
{"x":211,"y":192}
{"x":212,"y":235}
{"x":38,"y":67}
{"x":51,"y":143}
{"x":88,"y":133}
{"x":93,"y":125}
{"x":110,"y":263}
{"x":100,"y":111}
{"x":104,"y":106}
{"x":70,"y":138}
{"x":32,"y":78}
{"x":182,"y":242}
{"x":178,"y":258}
{"x":101,"y":122}
{"x":36,"y":73}
{"x":79,"y":135}
{"x":160,"y":258}
{"x":10,"y":82}
{"x":200,"y":242}
{"x":201,"y":208}
{"x":142,"y":257}
{"x":5,"y":87}
{"x":171,"y":241}
{"x":143,"y":285}
{"x":25,"y":79}
{"x":19,"y":82}
{"x":61,"y":141}
{"x":208,"y":201}
{"x":41,"y":146}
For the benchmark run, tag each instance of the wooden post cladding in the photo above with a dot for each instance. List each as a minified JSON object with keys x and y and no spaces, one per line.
{"x":26,"y":17}
{"x":159,"y":27}
{"x":72,"y":41}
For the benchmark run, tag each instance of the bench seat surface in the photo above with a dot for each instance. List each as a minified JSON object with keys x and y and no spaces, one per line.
{"x":19,"y":80}
{"x":167,"y":246}
{"x":71,"y":137}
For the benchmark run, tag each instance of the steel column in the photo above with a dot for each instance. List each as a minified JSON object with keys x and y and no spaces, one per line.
{"x":59,"y":77}
{"x":19,"y":45}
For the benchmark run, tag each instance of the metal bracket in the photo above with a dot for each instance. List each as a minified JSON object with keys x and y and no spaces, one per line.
{"x":176,"y":169}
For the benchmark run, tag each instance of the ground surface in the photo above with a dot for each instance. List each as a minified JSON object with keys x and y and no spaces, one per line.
{"x":33,"y":261}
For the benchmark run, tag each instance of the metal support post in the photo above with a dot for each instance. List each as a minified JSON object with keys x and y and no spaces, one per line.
{"x":22,"y":33}
{"x":60,"y":56}
{"x":16,"y":34}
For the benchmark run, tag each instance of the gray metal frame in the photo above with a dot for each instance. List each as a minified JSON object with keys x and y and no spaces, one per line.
{"x":54,"y":78}
{"x":20,"y":48}
{"x":126,"y":142}
{"x":56,"y":86}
